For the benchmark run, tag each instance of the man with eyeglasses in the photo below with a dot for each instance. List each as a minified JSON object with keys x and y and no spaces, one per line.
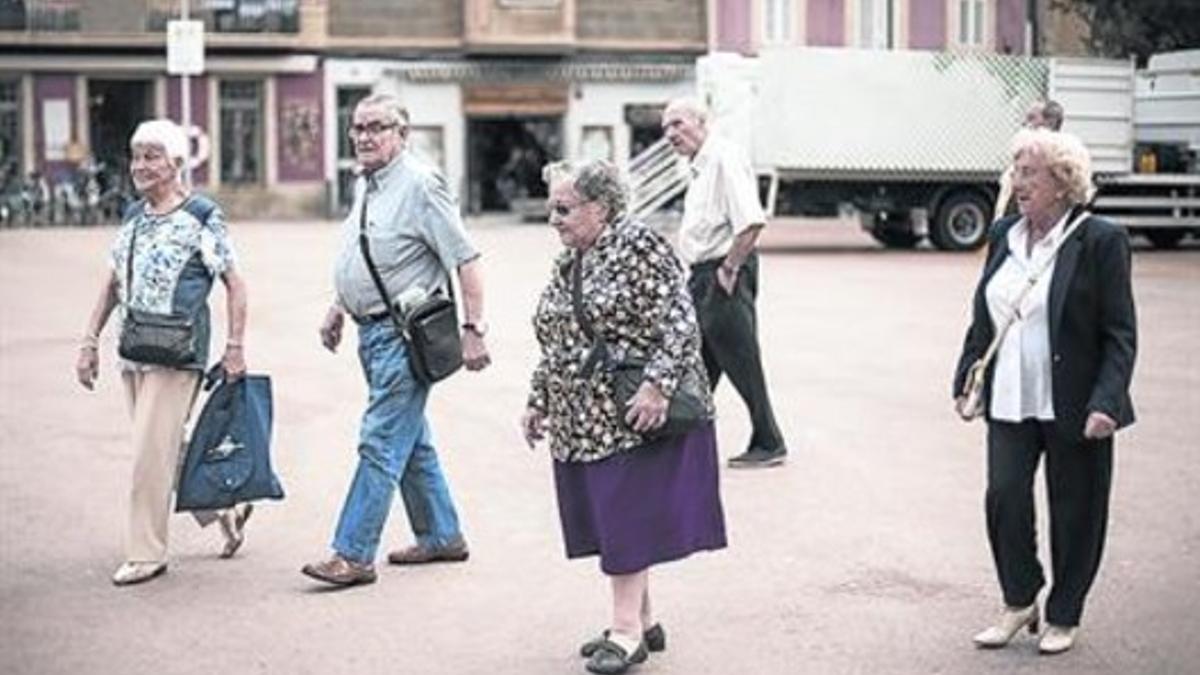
{"x":415,"y":237}
{"x":722,"y":218}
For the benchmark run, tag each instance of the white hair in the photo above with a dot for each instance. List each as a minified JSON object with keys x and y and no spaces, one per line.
{"x":388,"y":102}
{"x":164,"y":133}
{"x":596,"y":180}
{"x":1066,"y":158}
{"x":690,"y":106}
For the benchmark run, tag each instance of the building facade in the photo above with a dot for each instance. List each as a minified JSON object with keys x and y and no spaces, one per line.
{"x":495,"y":87}
{"x":1001,"y":26}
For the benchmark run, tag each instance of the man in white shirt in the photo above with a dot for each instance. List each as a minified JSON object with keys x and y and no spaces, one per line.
{"x":722,"y":219}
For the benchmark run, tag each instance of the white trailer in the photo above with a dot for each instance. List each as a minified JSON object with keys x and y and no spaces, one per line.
{"x":911,"y":141}
{"x":1160,"y":199}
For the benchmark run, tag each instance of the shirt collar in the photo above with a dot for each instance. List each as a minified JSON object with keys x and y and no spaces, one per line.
{"x":381,"y":175}
{"x":1019,"y":234}
{"x":703,"y":156}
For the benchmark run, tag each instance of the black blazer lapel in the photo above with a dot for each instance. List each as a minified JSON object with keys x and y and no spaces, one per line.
{"x":1064,"y":270}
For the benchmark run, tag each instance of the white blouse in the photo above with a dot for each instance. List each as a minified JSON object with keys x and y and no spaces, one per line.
{"x":1021,"y":381}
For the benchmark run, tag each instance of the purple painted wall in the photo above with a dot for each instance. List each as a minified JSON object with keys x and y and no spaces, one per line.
{"x":927,"y":24}
{"x":51,"y":87}
{"x":299,"y":127}
{"x":1010,"y":26}
{"x":826,"y":23}
{"x":199,"y":91}
{"x":733,"y":26}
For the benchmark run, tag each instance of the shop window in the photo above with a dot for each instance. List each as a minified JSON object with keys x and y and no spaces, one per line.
{"x":10,"y":133}
{"x":241,"y":131}
{"x":777,"y":21}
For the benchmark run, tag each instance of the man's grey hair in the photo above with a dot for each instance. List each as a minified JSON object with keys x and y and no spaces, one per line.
{"x":1052,"y":112}
{"x":395,"y":108}
{"x":690,"y":106}
{"x":597,"y":180}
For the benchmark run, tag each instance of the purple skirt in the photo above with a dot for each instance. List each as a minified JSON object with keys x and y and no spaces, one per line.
{"x":655,"y":504}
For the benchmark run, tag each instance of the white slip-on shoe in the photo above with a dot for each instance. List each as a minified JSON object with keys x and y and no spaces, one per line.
{"x":1011,"y":621}
{"x":130,"y":573}
{"x":1057,"y":639}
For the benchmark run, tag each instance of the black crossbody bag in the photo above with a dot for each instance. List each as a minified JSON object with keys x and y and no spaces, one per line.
{"x":430,"y":328}
{"x":686,"y":408}
{"x":159,"y":339}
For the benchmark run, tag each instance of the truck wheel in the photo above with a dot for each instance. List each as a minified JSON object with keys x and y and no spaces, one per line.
{"x":962,"y":222}
{"x":1164,"y":237}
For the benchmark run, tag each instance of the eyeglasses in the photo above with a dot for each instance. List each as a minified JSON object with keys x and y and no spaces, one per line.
{"x":370,"y":129}
{"x":564,"y":210}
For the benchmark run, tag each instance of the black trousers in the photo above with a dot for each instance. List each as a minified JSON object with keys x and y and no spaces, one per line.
{"x":729,"y":334}
{"x":1078,"y":482}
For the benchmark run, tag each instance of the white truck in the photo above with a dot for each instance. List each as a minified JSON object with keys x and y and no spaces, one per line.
{"x":913,"y":142}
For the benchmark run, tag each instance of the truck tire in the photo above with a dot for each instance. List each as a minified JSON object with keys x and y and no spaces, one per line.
{"x":962,"y":221}
{"x":1165,"y":238}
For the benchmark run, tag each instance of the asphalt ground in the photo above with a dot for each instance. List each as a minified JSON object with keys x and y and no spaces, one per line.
{"x":866,"y":553}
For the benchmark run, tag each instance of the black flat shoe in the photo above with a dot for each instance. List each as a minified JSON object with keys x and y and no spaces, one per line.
{"x":611,"y":658}
{"x":655,"y":639}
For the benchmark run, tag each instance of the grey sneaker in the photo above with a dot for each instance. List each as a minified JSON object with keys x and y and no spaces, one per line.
{"x":756,"y":458}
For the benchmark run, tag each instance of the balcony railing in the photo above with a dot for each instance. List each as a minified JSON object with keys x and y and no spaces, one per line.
{"x":40,"y":15}
{"x":232,"y":16}
{"x":126,"y":16}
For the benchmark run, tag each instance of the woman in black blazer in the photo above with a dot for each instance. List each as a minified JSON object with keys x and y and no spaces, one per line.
{"x":1058,"y":384}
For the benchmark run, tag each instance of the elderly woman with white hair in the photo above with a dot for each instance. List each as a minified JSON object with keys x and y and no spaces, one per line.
{"x":171,"y":245}
{"x":627,"y":491}
{"x":1054,"y":337}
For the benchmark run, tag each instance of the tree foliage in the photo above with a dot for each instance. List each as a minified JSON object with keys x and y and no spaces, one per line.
{"x":1121,"y":28}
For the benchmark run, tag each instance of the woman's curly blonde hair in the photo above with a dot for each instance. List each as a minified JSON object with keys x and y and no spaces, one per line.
{"x":1066,"y":158}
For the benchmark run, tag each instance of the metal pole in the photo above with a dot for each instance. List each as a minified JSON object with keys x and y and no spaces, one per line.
{"x":185,"y":104}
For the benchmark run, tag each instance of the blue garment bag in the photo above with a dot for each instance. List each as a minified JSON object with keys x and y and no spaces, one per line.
{"x":228,"y":459}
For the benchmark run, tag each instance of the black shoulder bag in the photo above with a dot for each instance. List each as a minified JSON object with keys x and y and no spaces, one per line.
{"x":160,"y":339}
{"x":687,"y":406}
{"x":430,"y":328}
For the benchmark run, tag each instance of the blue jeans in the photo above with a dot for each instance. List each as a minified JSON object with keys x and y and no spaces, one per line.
{"x":394,"y":447}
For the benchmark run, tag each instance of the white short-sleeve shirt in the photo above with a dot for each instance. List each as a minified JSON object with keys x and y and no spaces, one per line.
{"x":721,"y":201}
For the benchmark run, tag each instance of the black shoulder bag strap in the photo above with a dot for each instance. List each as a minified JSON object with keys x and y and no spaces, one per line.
{"x":599,"y":351}
{"x":129,"y":266}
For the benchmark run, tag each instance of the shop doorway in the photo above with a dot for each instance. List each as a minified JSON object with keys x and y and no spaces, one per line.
{"x":115,"y":107}
{"x":505,"y":156}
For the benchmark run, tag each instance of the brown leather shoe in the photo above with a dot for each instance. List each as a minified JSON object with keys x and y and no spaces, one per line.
{"x":340,"y":572}
{"x":420,"y":555}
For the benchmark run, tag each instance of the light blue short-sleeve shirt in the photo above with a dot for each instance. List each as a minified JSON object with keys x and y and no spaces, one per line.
{"x":415,"y":233}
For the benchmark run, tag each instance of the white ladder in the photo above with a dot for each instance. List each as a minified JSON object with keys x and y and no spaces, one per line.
{"x":656,"y":176}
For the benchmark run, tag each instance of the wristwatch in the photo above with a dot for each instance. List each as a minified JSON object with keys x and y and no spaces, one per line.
{"x":477,"y":327}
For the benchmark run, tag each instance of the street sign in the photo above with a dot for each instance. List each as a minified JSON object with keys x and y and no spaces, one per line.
{"x":185,"y":47}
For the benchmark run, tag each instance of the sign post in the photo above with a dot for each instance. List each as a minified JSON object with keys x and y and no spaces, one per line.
{"x":185,"y":57}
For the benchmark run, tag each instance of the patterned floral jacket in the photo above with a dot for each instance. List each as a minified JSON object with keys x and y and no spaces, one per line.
{"x":635,"y":296}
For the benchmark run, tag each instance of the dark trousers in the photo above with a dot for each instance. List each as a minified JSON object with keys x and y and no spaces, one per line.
{"x":1078,"y":482}
{"x":729,"y":333}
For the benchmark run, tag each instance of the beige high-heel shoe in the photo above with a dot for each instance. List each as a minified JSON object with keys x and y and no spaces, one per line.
{"x":1057,"y":639}
{"x":1012,"y":620}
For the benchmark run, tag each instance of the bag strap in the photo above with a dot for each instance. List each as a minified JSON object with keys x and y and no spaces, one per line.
{"x":599,"y":351}
{"x":365,"y":247}
{"x":1029,"y":284}
{"x":129,"y":265}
